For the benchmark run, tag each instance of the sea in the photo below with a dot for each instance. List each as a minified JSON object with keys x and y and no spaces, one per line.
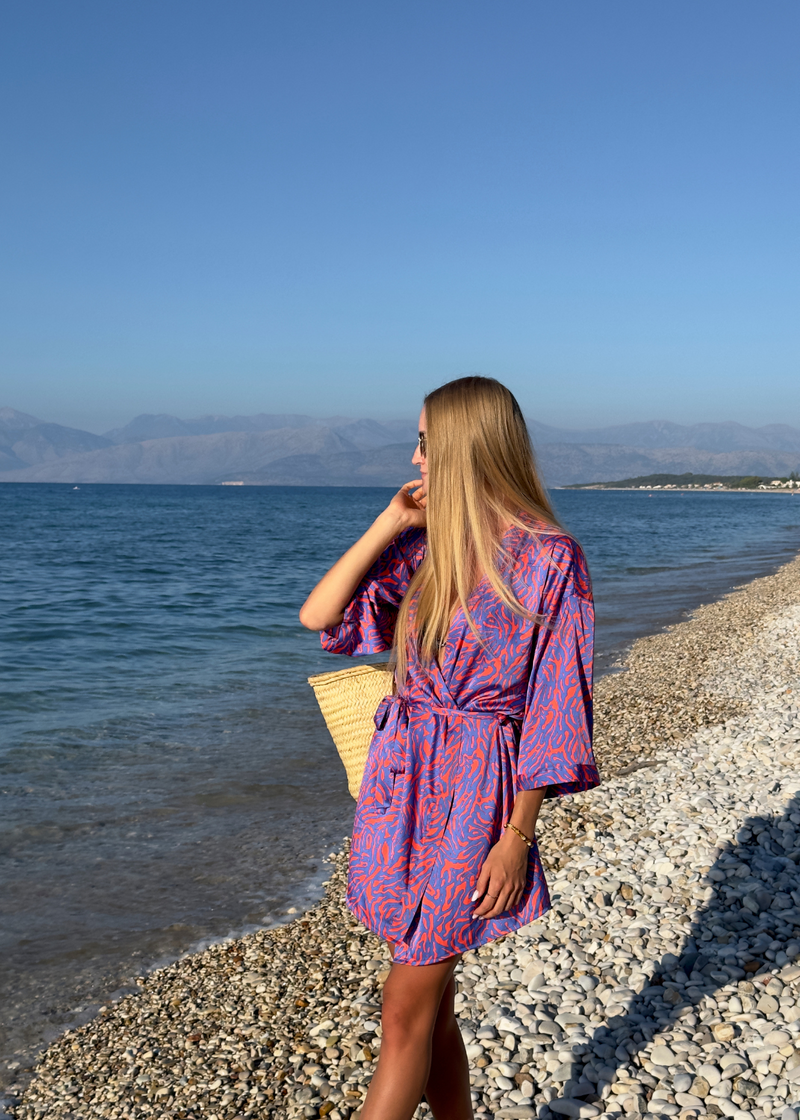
{"x":166,"y":779}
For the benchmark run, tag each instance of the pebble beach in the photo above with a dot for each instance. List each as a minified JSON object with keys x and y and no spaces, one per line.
{"x":665,"y":980}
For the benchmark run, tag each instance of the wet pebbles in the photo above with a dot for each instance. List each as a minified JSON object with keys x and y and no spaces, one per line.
{"x":662,"y":983}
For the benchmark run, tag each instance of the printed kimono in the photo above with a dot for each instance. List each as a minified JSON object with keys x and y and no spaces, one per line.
{"x":508,"y":711}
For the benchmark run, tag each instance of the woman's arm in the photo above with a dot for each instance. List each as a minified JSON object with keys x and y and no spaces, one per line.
{"x":324,"y":608}
{"x":505,"y":869}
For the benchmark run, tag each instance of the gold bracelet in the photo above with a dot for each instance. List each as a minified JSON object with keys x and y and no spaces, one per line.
{"x":521,"y":835}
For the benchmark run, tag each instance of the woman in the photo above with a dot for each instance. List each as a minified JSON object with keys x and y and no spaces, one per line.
{"x":486,"y":604}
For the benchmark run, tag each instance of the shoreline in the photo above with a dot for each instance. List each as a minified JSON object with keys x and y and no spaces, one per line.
{"x":669,"y":666}
{"x":60,"y":991}
{"x":682,"y":489}
{"x":245,"y":1018}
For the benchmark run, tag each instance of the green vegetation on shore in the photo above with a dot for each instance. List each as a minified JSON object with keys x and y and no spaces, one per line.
{"x":690,"y":481}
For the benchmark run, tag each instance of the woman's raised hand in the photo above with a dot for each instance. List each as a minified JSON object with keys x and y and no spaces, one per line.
{"x":407,"y":507}
{"x":324,"y":608}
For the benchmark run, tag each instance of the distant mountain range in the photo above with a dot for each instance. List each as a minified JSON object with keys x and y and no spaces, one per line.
{"x":295,"y":450}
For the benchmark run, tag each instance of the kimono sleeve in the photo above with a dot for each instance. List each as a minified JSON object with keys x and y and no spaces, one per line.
{"x":556,"y":739}
{"x":370,"y":616}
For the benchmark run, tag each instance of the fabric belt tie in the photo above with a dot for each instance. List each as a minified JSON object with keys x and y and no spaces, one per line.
{"x":435,"y":803}
{"x":407,"y":707}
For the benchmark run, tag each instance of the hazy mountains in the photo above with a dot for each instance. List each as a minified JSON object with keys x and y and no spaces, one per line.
{"x":299,"y":450}
{"x":26,"y":441}
{"x":265,"y":449}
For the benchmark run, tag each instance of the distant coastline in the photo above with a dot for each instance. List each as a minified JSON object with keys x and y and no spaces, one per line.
{"x":679,"y":489}
{"x":288,"y":450}
{"x":692,"y":483}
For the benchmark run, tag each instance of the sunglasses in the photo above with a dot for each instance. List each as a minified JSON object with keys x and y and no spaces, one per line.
{"x":423,"y":444}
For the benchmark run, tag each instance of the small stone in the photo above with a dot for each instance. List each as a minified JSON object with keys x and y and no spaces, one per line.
{"x":531,"y":972}
{"x":767,"y":1005}
{"x":709,"y":1073}
{"x":723,"y":1032}
{"x":778,"y":1038}
{"x":746,"y":1087}
{"x":729,"y":1060}
{"x":567,"y":1106}
{"x":662,"y":1056}
{"x":699,"y":1087}
{"x":681,"y":1082}
{"x":688,"y":1100}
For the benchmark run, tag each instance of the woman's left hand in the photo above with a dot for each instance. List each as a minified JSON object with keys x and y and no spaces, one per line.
{"x":503,"y":877}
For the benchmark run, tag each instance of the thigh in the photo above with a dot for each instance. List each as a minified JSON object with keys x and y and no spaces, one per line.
{"x":414,"y":992}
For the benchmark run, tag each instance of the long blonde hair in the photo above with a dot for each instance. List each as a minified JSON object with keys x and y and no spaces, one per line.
{"x":481,"y":476}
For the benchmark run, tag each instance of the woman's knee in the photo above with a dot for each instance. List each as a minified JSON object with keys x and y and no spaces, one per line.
{"x":401,"y":1024}
{"x":405,"y":1017}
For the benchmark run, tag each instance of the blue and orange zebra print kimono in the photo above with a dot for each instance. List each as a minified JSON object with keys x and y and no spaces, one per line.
{"x":510,"y":712}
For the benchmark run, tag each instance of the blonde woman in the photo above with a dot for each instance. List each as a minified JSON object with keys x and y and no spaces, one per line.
{"x":486,"y":603}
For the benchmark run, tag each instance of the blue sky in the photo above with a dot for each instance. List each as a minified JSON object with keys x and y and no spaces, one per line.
{"x":331,"y":208}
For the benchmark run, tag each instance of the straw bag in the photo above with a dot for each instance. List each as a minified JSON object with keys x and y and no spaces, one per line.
{"x":349,"y":699}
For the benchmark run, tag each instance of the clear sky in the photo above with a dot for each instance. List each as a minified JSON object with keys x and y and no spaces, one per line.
{"x":333,"y":207}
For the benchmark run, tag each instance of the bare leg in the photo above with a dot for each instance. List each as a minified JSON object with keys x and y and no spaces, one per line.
{"x":447,"y":1090}
{"x":412,"y":996}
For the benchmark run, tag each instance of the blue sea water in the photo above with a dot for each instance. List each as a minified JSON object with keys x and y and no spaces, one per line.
{"x":165,"y":776}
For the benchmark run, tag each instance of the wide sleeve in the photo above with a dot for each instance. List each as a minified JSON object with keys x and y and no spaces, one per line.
{"x":370,"y":616}
{"x":555,"y":747}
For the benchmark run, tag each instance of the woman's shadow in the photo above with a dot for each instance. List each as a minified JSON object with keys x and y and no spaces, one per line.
{"x":749,"y":926}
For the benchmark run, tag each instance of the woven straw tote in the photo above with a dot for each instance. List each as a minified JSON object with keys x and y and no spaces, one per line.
{"x":349,"y":699}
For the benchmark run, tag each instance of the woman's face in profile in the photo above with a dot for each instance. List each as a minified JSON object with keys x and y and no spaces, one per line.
{"x":420,"y":460}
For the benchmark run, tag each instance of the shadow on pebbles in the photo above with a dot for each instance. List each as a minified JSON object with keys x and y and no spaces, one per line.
{"x":662,"y":983}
